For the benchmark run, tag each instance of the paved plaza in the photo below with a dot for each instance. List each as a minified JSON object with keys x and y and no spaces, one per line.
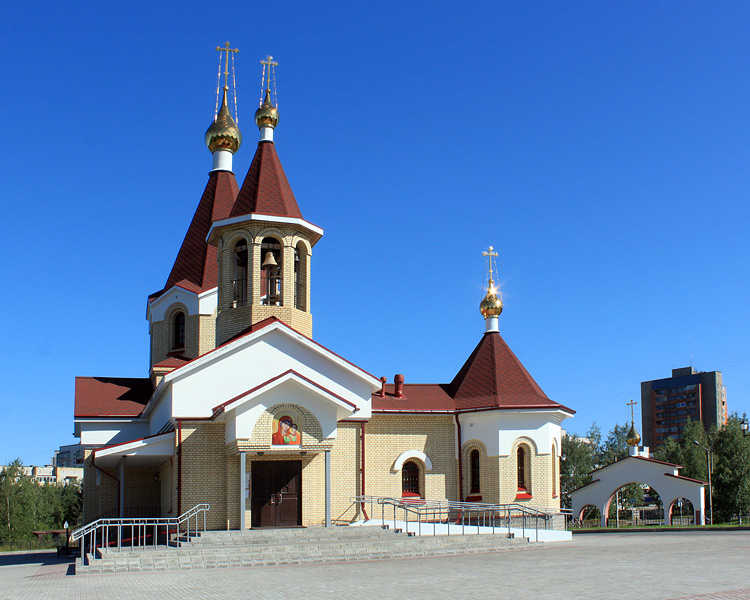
{"x":700,"y":565}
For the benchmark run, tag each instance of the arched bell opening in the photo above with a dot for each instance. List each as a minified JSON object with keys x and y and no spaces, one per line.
{"x":271,"y":272}
{"x":239,"y":279}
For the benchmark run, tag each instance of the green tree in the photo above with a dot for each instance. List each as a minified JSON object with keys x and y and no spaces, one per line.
{"x":731,"y":473}
{"x":693,"y":456}
{"x":615,"y":446}
{"x":670,"y":450}
{"x":17,"y":502}
{"x":579,"y":459}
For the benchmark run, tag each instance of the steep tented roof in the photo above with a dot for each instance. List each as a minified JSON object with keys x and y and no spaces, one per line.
{"x":111,"y":396}
{"x":494,"y":377}
{"x":266,"y":190}
{"x":195,"y":267}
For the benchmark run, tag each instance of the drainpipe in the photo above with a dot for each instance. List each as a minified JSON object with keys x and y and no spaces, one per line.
{"x":460,"y":462}
{"x":108,"y":474}
{"x":362,"y":437}
{"x":179,"y":467}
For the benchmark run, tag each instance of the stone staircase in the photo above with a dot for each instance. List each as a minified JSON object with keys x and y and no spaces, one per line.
{"x":275,"y":547}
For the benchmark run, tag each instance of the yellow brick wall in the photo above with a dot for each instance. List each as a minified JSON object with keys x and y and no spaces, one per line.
{"x":200,"y":334}
{"x":98,"y":499}
{"x":387,"y":436}
{"x":204,"y":469}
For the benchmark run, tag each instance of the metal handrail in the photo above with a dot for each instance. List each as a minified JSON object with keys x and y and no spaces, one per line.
{"x":102,"y":531}
{"x":431,"y":512}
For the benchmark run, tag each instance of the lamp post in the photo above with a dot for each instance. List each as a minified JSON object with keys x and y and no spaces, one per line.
{"x":744,"y":426}
{"x":709,"y":462}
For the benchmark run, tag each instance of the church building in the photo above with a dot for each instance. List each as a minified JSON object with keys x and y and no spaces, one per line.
{"x":244,"y":410}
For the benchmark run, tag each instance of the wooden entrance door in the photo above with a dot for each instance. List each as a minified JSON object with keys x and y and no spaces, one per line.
{"x":276,"y":493}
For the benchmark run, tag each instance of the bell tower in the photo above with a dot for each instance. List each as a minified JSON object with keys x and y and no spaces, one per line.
{"x":265,"y":245}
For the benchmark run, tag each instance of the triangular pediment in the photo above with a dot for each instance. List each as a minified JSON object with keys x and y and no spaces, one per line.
{"x":256,"y":363}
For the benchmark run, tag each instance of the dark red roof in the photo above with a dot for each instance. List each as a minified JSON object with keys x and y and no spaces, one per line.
{"x":266,"y":190}
{"x":173,"y":362}
{"x":111,"y":396}
{"x":492,"y":378}
{"x":419,"y":397}
{"x":195,"y":267}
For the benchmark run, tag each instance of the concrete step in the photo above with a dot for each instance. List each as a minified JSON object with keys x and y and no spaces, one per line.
{"x":243,"y":549}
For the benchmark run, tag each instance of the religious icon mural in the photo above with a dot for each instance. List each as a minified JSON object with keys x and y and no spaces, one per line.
{"x":286,"y":431}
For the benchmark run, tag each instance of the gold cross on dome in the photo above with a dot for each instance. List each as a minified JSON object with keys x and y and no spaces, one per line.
{"x":489,"y":252}
{"x":269,"y":62}
{"x":631,"y":404}
{"x":226,"y":49}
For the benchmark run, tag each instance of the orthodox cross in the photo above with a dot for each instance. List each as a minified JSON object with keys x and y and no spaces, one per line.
{"x":227,"y":49}
{"x":631,"y":404}
{"x":490,"y":253}
{"x":268,"y":62}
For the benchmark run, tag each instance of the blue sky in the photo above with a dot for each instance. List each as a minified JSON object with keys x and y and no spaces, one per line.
{"x":601,"y":147}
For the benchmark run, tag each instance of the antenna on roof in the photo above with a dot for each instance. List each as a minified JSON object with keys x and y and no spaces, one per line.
{"x":691,"y":352}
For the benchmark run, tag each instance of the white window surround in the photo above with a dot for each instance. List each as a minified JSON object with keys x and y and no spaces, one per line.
{"x":204,"y":303}
{"x":404,"y":456}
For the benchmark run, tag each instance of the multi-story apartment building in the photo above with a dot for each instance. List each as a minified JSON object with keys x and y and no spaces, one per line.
{"x":667,"y":404}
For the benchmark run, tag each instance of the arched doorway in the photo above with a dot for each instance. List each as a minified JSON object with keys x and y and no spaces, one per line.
{"x":634,"y":504}
{"x":681,"y":513}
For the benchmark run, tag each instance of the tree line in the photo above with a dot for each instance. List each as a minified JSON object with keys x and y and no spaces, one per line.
{"x":729,"y":454}
{"x":26,"y":506}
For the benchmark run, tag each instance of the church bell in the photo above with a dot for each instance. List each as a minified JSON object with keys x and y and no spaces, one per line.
{"x":269,"y":262}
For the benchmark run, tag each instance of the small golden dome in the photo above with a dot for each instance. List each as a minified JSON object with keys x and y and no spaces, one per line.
{"x":267,"y":115}
{"x":633,"y":438}
{"x":492,"y":305}
{"x":223,"y":134}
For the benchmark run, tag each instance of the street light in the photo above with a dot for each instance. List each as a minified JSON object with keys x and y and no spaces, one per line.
{"x":744,"y":427}
{"x":709,"y":461}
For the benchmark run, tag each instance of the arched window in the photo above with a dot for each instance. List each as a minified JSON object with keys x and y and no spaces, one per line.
{"x":271,"y":272}
{"x":521,"y":460}
{"x":410,"y":479}
{"x":178,"y":331}
{"x":240,"y":274}
{"x":474,"y":463}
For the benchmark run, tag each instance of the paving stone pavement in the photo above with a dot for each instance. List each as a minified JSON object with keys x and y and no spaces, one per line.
{"x":690,"y":565}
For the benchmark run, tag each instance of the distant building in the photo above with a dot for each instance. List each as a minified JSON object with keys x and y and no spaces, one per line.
{"x":667,"y":404}
{"x":54,"y":475}
{"x":69,"y":456}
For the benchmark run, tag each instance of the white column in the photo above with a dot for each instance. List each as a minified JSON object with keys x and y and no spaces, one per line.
{"x":243,"y":476}
{"x":328,"y":488}
{"x":121,"y":477}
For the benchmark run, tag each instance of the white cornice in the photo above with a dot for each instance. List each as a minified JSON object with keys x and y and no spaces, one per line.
{"x":314,"y":229}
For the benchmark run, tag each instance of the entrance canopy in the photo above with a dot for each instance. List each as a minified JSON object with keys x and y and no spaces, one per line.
{"x":149,"y":451}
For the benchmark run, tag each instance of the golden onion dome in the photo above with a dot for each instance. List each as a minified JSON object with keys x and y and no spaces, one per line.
{"x":633,"y":438}
{"x":223,"y":134}
{"x":267,"y":115}
{"x":492,"y":305}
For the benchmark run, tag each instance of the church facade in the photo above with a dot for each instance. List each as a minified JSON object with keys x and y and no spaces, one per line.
{"x":244,"y":410}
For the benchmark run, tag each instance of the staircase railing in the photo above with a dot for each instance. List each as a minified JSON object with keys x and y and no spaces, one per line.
{"x":418,"y":512}
{"x":135,"y":532}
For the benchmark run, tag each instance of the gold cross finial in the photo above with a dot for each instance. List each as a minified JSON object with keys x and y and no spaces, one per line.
{"x":631,"y":404}
{"x":489,"y":252}
{"x":226,"y":49}
{"x":268,"y":62}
